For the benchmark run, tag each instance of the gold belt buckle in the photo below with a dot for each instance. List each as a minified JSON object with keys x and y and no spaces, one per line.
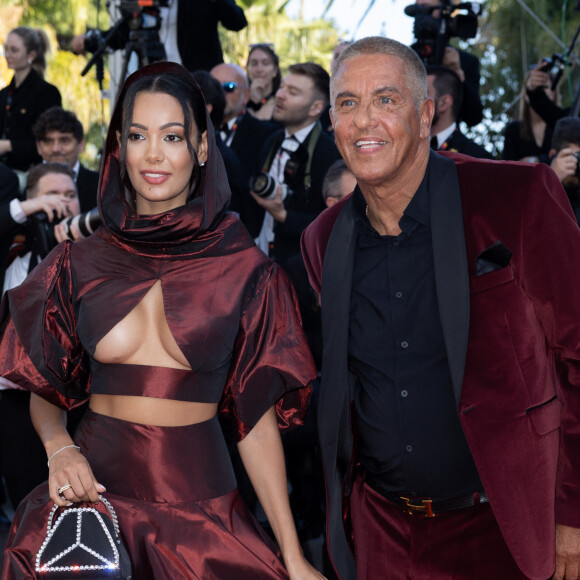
{"x":425,"y":508}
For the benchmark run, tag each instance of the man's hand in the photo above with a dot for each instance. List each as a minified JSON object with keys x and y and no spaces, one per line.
{"x":275,"y":206}
{"x":49,"y":204}
{"x":451,"y":60}
{"x":564,"y":164}
{"x":567,"y":553}
{"x":78,"y":44}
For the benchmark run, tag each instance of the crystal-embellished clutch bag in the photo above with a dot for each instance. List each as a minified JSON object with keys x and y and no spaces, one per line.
{"x":83,"y":543}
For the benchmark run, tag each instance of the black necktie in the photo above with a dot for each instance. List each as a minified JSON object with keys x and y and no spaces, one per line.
{"x":434,"y":144}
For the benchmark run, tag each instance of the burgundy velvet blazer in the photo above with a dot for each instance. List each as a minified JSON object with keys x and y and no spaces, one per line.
{"x":512,"y":337}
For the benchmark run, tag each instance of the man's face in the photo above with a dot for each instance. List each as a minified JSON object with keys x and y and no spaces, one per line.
{"x":296,"y":103}
{"x":379,"y":131}
{"x":345,"y":185}
{"x":237,"y":98}
{"x":60,"y":148}
{"x":63,"y":186}
{"x":432,"y":94}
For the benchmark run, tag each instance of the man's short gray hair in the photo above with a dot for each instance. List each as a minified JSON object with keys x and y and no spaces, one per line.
{"x":414,"y":68}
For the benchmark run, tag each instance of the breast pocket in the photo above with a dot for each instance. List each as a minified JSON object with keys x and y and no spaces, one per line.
{"x":492,"y":279}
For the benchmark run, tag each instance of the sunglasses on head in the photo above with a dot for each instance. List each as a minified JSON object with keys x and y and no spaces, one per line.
{"x":229,"y":87}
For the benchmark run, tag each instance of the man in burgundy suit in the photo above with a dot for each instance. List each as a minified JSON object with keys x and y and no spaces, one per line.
{"x":449,"y":410}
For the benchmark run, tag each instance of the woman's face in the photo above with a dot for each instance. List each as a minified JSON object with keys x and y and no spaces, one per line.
{"x":261,"y":66}
{"x":159,"y":164}
{"x":15,"y":52}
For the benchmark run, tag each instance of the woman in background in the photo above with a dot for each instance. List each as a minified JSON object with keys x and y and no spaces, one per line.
{"x":529,"y":138}
{"x":163,"y":317}
{"x":25,"y":98}
{"x":264,"y":77}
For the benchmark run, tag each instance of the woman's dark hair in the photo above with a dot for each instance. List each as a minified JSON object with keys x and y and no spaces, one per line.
{"x":34,"y":39}
{"x":189,"y":96}
{"x":267,"y":48}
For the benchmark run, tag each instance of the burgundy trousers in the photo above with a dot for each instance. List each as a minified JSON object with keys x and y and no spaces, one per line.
{"x":463,"y":544}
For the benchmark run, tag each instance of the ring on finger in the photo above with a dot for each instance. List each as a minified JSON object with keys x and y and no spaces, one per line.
{"x":63,"y":489}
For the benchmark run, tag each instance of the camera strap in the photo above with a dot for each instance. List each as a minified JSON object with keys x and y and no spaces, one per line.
{"x":310,"y":142}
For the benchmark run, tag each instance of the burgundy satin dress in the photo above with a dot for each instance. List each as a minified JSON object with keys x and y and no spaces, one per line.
{"x":233,"y":315}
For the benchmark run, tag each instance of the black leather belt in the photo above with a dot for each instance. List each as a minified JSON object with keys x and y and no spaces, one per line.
{"x":425,"y":505}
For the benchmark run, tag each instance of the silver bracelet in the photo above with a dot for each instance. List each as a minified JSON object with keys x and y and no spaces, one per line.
{"x":61,"y":449}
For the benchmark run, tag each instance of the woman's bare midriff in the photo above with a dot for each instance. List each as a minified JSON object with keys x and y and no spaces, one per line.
{"x":149,"y":411}
{"x":143,"y":337}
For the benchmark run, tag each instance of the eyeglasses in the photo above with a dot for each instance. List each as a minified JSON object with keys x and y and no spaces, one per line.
{"x":229,"y":87}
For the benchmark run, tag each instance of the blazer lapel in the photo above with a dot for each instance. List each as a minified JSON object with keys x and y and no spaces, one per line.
{"x":335,"y":299}
{"x":450,"y":259}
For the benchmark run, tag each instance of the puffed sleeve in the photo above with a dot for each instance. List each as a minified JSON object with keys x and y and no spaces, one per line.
{"x":271,"y":363}
{"x":39,"y":346}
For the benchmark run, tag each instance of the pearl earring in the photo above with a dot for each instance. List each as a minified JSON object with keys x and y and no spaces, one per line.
{"x":29,"y":61}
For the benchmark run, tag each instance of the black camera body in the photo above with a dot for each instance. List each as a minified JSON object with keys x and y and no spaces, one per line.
{"x":264,"y":185}
{"x":433,"y":34}
{"x":41,"y":233}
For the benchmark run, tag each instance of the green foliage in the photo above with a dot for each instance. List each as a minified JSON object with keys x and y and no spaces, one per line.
{"x":293,"y":40}
{"x":509,"y":42}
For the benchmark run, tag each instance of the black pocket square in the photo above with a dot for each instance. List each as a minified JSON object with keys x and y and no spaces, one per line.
{"x":493,"y":258}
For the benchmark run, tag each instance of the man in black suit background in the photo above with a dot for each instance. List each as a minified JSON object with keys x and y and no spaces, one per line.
{"x":60,"y":138}
{"x":244,"y":133}
{"x":297,"y":158}
{"x":444,"y":87}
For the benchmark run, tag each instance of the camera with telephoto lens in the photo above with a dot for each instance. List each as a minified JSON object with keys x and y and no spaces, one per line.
{"x":266,"y":186}
{"x":433,"y":34}
{"x":86,"y":223}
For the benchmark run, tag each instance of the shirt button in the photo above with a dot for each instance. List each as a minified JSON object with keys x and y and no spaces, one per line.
{"x":404,"y":393}
{"x":404,"y":344}
{"x":408,"y":448}
{"x":396,"y":242}
{"x":398,"y":294}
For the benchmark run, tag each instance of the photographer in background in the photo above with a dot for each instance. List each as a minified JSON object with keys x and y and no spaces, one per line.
{"x":541,"y":92}
{"x":51,"y":181}
{"x":427,"y":27}
{"x":564,"y":157}
{"x":446,"y":90}
{"x":60,"y":138}
{"x":188,"y":31}
{"x":51,"y":194}
{"x":287,"y":186}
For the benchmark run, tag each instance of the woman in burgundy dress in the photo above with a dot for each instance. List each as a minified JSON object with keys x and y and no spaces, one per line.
{"x":167,"y":314}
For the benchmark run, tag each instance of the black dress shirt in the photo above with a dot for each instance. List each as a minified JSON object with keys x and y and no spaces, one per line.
{"x":410,"y":438}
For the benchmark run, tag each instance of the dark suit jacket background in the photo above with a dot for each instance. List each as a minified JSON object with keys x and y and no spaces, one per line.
{"x":197,"y":30}
{"x":8,"y":227}
{"x":302,"y":209}
{"x":457,"y":142}
{"x":249,"y":138}
{"x":471,"y":108}
{"x":511,"y":337}
{"x":31,"y":99}
{"x":87,"y":186}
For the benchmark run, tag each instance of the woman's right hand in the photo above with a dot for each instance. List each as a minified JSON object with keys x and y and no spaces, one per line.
{"x":258,"y":89}
{"x":70,"y":467}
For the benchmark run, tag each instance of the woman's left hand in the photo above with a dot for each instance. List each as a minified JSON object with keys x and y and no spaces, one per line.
{"x":301,"y":569}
